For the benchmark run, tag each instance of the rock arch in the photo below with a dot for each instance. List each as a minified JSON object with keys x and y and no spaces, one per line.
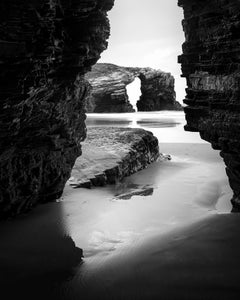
{"x":109,"y":89}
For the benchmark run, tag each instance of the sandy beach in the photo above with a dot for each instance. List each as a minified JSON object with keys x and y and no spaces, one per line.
{"x":174,"y":244}
{"x":200,"y":261}
{"x":177,"y":242}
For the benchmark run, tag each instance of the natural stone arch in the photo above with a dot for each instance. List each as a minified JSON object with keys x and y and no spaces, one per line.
{"x":109,"y":89}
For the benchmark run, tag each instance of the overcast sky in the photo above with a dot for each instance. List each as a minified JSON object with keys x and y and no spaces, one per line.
{"x":147,"y":33}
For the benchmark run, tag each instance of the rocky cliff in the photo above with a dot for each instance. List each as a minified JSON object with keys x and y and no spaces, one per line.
{"x":211,"y":65}
{"x":109,"y":93}
{"x":45,"y":48}
{"x":108,"y":89}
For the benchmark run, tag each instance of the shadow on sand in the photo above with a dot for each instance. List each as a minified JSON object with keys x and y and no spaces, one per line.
{"x":37,"y":255}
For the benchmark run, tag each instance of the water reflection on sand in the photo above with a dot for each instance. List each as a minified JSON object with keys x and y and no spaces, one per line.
{"x":131,"y":245}
{"x":189,"y":187}
{"x":168,"y":126}
{"x":123,"y":240}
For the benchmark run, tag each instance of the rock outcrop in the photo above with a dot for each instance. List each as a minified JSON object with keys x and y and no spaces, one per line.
{"x":108,"y":89}
{"x":158,"y":91}
{"x":112,"y":154}
{"x":109,"y":93}
{"x":45,"y":49}
{"x":211,"y":65}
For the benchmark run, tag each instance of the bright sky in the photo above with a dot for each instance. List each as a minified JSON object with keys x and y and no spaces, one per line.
{"x":147,"y":33}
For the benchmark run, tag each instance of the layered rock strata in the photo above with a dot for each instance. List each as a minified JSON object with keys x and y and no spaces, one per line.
{"x":158,"y":91}
{"x":110,"y":155}
{"x":211,"y":65}
{"x":45,"y":49}
{"x":108,"y":89}
{"x":109,"y":92}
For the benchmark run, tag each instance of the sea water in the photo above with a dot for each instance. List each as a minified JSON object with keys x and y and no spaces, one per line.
{"x":167,"y":126}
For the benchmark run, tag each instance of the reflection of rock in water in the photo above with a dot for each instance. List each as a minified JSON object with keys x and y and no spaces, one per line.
{"x":145,"y":191}
{"x":105,"y":122}
{"x":154,"y":123}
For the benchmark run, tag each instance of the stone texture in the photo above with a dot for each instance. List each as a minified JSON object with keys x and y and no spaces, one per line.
{"x":109,"y":93}
{"x":211,"y":65}
{"x":45,"y":49}
{"x":112,"y":154}
{"x":158,"y":91}
{"x":46,"y":46}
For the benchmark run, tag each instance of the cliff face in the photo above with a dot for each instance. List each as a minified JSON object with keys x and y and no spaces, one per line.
{"x":108,"y":89}
{"x":211,"y":65}
{"x":109,"y":93}
{"x":158,"y":91}
{"x":45,"y":48}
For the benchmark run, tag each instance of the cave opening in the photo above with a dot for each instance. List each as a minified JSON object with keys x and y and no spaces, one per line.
{"x":134,"y":92}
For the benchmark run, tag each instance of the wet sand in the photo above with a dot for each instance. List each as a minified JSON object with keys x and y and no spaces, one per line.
{"x":180,"y":242}
{"x":180,"y":246}
{"x":201,"y":261}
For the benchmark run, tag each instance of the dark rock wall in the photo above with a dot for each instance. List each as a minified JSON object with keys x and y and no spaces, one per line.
{"x":45,"y":48}
{"x":211,"y":65}
{"x":109,"y":93}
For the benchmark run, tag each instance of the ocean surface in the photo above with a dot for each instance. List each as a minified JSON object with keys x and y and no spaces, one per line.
{"x":40,"y":250}
{"x":167,"y":126}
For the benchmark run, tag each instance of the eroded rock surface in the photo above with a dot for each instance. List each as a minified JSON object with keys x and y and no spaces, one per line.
{"x":158,"y":91}
{"x":211,"y":65}
{"x":108,"y":89}
{"x":45,"y":49}
{"x":110,"y":155}
{"x":109,"y":93}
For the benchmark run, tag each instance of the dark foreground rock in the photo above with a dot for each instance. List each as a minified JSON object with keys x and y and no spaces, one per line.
{"x":211,"y":65}
{"x":45,"y":49}
{"x":111,"y":154}
{"x":109,"y":93}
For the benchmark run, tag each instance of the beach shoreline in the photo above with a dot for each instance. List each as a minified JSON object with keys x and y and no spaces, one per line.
{"x":130,"y":246}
